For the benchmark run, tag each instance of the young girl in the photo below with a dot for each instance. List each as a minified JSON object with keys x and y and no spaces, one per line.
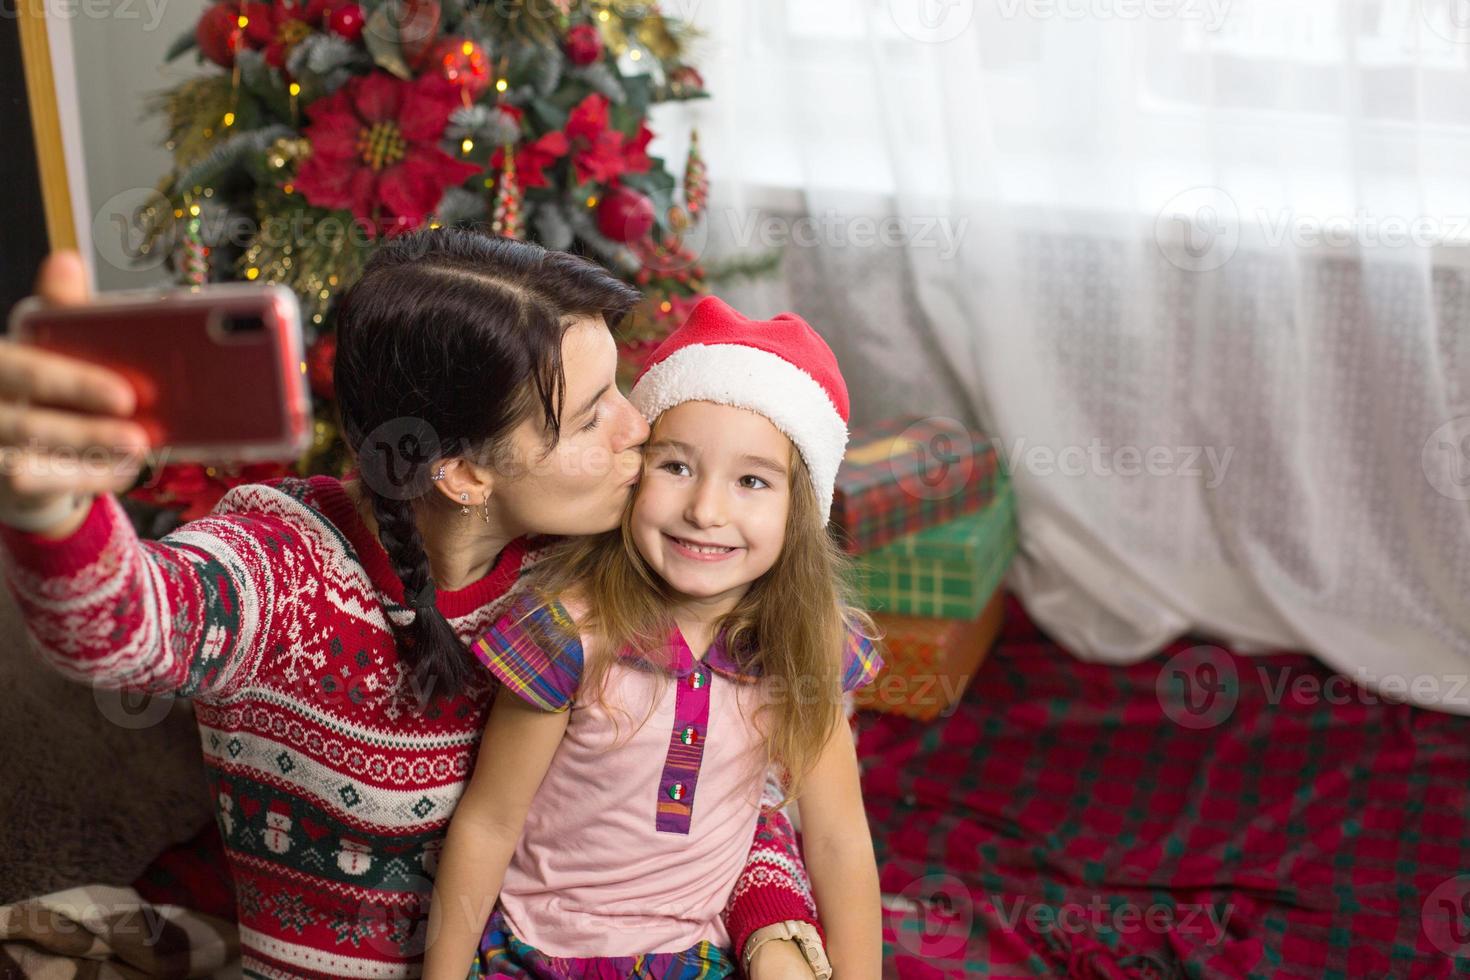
{"x":654,"y":674}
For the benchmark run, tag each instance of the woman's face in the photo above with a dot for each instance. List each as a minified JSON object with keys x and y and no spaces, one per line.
{"x":583,"y":483}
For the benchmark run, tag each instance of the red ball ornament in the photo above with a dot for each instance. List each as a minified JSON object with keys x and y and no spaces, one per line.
{"x":218,"y":33}
{"x":346,"y":20}
{"x":624,"y":215}
{"x":583,"y":44}
{"x":463,"y":63}
{"x":319,"y":362}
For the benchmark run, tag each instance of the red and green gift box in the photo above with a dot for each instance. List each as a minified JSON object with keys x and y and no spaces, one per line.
{"x":949,"y":571}
{"x":903,"y":475}
{"x":928,"y":662}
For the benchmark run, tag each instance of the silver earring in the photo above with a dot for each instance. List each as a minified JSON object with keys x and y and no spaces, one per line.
{"x":438,"y":476}
{"x":485,"y":508}
{"x":464,"y":508}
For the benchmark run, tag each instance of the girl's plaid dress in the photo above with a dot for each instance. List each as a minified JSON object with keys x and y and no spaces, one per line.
{"x":639,"y":829}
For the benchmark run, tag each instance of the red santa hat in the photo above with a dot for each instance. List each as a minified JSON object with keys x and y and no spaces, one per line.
{"x":780,"y":368}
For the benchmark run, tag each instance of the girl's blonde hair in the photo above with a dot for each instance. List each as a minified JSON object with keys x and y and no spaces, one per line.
{"x":793,"y":622}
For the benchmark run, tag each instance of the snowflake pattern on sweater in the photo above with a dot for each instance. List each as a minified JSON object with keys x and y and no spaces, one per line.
{"x":274,"y":615}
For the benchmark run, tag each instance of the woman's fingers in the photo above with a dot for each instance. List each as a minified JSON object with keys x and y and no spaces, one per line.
{"x":29,"y":427}
{"x":28,"y":374}
{"x":36,"y":478}
{"x":62,"y":280}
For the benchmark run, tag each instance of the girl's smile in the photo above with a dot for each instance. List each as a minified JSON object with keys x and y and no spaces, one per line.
{"x":710,"y":515}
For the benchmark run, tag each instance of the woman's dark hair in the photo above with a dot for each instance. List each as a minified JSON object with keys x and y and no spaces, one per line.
{"x":448,"y":340}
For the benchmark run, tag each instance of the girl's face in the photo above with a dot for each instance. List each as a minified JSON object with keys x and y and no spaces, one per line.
{"x":582,"y":485}
{"x":710,"y":515}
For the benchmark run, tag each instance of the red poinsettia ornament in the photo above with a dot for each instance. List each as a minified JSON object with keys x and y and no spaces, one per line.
{"x":583,"y":44}
{"x":599,"y":153}
{"x":461,"y":62}
{"x":279,"y":26}
{"x":347,"y":20}
{"x":624,"y":215}
{"x":321,"y":360}
{"x":375,"y":150}
{"x":219,"y":35}
{"x":531,"y":159}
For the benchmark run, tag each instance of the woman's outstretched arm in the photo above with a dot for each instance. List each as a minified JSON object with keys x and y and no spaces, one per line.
{"x":190,"y":614}
{"x":773,"y":888}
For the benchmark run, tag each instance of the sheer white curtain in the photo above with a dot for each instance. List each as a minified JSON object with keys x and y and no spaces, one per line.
{"x":1202,"y":268}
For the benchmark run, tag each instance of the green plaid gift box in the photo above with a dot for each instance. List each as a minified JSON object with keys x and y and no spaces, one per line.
{"x":906,"y":474}
{"x":949,"y":571}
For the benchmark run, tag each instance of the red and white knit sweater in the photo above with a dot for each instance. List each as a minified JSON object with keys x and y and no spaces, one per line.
{"x":272,"y":615}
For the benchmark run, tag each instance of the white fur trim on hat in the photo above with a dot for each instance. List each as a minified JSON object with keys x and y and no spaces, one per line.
{"x":747,"y":377}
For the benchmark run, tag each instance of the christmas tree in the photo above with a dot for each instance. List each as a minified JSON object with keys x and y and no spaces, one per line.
{"x":329,"y":126}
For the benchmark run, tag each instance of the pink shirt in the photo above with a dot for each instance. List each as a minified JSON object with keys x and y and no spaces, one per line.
{"x":640,"y":828}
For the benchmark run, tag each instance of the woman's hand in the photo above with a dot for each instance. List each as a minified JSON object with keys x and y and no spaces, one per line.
{"x":63,"y":422}
{"x":779,"y":959}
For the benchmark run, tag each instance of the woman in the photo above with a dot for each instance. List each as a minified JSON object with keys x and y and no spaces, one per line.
{"x":319,"y":626}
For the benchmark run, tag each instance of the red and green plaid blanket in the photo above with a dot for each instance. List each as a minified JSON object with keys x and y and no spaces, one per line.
{"x":1200,"y":814}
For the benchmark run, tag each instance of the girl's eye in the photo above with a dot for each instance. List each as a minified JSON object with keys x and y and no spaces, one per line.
{"x":596,"y":418}
{"x":674,"y":466}
{"x":753,"y":479}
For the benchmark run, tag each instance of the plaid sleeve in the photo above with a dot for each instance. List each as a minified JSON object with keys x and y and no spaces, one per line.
{"x":860,"y":661}
{"x":536,"y":651}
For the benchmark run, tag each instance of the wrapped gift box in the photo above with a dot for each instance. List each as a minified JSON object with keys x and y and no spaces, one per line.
{"x":928,"y":662}
{"x":948,"y":571}
{"x":907,"y":474}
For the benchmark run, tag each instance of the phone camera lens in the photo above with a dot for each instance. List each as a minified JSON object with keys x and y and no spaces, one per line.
{"x":235,"y":324}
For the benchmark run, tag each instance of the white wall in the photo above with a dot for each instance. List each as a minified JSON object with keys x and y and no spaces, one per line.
{"x":117,"y":49}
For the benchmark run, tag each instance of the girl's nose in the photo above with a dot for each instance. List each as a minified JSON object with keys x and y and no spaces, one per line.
{"x":706,"y":507}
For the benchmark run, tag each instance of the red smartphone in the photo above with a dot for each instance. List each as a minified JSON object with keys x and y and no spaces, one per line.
{"x":218,"y":370}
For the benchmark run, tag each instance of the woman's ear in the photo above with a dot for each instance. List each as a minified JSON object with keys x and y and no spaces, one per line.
{"x":463,"y":482}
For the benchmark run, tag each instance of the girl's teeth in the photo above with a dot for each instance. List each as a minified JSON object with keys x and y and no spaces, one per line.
{"x":705,"y":549}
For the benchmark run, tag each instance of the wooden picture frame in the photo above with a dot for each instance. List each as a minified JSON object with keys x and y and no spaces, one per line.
{"x":37,"y":204}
